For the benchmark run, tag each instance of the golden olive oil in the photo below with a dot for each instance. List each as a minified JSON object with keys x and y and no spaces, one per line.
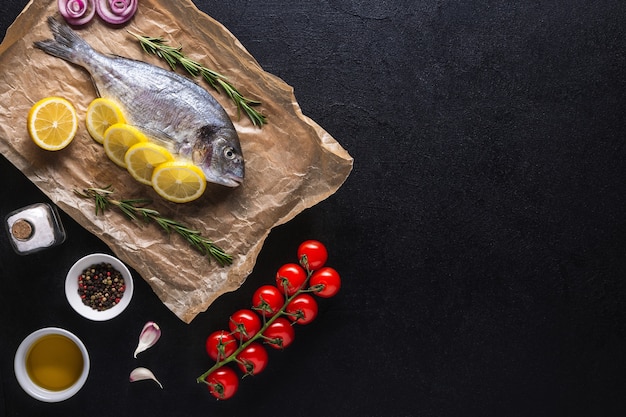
{"x":54,"y":362}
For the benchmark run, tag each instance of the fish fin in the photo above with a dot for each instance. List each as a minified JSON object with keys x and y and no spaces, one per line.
{"x":159,"y":137}
{"x":66,"y":44}
{"x":95,"y":86}
{"x":161,"y":140}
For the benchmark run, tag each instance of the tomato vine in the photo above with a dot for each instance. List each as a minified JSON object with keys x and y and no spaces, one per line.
{"x":279,"y":308}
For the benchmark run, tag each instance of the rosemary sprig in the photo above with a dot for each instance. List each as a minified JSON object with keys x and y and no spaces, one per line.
{"x":135,"y":209}
{"x":174,"y":56}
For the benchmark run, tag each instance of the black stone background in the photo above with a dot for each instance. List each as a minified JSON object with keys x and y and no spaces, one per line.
{"x":481,"y":236}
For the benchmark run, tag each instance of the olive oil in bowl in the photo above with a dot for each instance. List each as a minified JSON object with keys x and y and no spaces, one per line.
{"x":54,"y":362}
{"x":51,"y":364}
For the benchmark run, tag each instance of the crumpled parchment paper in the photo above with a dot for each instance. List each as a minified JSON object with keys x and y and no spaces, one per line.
{"x":291,"y":163}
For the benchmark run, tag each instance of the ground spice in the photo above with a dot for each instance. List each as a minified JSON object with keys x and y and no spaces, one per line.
{"x":101,"y":286}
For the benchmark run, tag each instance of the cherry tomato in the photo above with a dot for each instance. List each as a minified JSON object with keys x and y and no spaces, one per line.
{"x":244,"y":324}
{"x":290,"y":277}
{"x":223,"y":383}
{"x":279,"y":334}
{"x":313,"y":254}
{"x":302,"y":309}
{"x":327,"y":280}
{"x":220,"y":344}
{"x":267,"y":299}
{"x":253,"y":359}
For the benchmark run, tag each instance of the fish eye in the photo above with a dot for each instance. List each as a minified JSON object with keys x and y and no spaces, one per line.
{"x":229,"y":152}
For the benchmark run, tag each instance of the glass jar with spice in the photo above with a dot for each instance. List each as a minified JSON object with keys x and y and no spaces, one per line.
{"x":34,"y":228}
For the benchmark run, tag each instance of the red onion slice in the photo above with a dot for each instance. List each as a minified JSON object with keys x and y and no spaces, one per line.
{"x":77,"y":12}
{"x":116,"y":11}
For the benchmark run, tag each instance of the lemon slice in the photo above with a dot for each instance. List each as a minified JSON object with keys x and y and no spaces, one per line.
{"x":102,"y":113}
{"x":118,"y":139}
{"x":178,"y":181}
{"x":142,"y":158}
{"x":52,"y":123}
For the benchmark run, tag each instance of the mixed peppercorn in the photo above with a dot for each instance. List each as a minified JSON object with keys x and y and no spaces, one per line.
{"x":101,"y":286}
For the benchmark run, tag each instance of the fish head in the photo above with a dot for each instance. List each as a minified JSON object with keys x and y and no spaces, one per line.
{"x":219,"y":156}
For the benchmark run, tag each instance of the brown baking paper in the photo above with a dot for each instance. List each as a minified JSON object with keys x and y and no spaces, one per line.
{"x":291,"y":163}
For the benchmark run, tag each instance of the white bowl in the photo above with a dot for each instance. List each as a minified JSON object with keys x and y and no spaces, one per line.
{"x":35,"y":390}
{"x":71,"y":287}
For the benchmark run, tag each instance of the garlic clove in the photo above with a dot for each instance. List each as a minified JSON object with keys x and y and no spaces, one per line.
{"x":140,"y":374}
{"x":148,"y":337}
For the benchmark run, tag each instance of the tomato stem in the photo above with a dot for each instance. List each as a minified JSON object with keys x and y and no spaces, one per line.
{"x":267,"y":321}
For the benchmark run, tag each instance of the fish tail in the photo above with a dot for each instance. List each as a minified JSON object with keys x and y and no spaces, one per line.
{"x":66,"y":44}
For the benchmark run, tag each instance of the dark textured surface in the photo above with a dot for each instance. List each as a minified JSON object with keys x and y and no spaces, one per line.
{"x":481,"y":235}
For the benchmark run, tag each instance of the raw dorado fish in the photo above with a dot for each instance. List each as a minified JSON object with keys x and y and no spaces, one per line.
{"x":165,"y":105}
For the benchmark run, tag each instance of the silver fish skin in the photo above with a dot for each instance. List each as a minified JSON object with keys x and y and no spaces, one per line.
{"x":165,"y":105}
